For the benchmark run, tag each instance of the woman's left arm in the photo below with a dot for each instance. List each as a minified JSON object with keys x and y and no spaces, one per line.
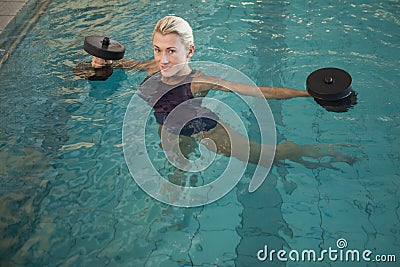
{"x":281,"y":93}
{"x":205,"y":82}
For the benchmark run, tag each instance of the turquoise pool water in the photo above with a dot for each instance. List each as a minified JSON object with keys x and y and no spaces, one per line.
{"x":67,"y":197}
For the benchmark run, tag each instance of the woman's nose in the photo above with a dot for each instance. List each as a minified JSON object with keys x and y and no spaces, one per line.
{"x":164,"y":58}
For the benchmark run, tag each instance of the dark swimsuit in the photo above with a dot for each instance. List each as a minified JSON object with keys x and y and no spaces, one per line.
{"x":191,"y":118}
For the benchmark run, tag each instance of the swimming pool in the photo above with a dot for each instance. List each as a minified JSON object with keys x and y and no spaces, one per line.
{"x":67,"y":197}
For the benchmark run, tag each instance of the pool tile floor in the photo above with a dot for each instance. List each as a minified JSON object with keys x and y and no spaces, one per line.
{"x":8,"y":10}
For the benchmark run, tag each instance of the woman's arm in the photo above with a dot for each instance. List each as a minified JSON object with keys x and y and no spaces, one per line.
{"x":131,"y":64}
{"x":127,"y":64}
{"x":100,"y":69}
{"x":207,"y":82}
{"x":281,"y":92}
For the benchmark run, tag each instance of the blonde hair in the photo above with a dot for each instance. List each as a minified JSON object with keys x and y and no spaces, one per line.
{"x":174,"y":24}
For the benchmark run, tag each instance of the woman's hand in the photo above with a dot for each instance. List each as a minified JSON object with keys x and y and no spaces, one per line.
{"x":99,"y":62}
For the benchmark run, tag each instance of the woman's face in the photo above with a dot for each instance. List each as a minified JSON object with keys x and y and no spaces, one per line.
{"x":171,"y":54}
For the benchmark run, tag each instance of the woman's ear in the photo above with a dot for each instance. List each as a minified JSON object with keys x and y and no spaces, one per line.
{"x":191,"y":51}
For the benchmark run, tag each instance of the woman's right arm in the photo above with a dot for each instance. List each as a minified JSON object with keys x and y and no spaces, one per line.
{"x":127,"y":64}
{"x":130,"y":64}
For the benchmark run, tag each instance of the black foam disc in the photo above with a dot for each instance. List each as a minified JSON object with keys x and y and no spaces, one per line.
{"x":104,"y":47}
{"x":341,"y":105}
{"x":329,"y":84}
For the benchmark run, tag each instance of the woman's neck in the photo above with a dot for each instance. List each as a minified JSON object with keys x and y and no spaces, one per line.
{"x":179,"y":77}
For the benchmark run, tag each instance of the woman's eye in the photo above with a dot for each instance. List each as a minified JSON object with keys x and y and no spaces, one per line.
{"x":156,"y":50}
{"x":172,"y":51}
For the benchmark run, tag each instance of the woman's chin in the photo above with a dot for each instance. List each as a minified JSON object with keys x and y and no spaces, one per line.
{"x":173,"y":71}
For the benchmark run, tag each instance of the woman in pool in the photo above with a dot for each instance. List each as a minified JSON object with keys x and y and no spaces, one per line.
{"x":173,"y":46}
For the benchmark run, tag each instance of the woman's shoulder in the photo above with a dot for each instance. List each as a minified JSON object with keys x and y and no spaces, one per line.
{"x":199,"y":83}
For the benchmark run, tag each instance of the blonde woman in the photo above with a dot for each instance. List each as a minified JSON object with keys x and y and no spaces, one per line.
{"x":173,"y":46}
